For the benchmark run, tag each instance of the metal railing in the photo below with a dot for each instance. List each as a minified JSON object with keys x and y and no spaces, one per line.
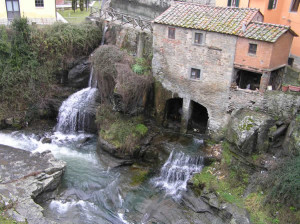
{"x":113,"y":15}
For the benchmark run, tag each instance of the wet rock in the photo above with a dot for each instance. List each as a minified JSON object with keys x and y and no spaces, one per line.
{"x":9,"y":121}
{"x":194,"y":203}
{"x":78,"y":76}
{"x":248,"y":131}
{"x":46,"y":140}
{"x":25,"y":177}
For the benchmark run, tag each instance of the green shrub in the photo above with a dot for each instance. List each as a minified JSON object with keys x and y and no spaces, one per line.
{"x":141,"y":129}
{"x":286,"y":181}
{"x":30,"y":57}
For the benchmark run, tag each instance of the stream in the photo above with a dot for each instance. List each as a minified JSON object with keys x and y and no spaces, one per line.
{"x":92,"y":192}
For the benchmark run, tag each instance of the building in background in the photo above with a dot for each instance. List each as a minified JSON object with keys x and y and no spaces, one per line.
{"x":286,"y":12}
{"x":37,"y":11}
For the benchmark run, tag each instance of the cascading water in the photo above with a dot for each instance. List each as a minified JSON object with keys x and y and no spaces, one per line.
{"x":176,"y":171}
{"x":76,"y":113}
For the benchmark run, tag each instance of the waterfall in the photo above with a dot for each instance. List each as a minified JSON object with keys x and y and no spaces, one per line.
{"x":176,"y":171}
{"x":103,"y":34}
{"x":78,"y":111}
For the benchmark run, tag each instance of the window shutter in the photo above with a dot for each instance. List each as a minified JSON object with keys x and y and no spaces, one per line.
{"x":270,"y":6}
{"x":237,"y":2}
{"x":229,"y":3}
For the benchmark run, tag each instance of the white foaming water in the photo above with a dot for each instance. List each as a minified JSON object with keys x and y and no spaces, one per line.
{"x":177,"y":170}
{"x":59,"y":145}
{"x":75,"y":112}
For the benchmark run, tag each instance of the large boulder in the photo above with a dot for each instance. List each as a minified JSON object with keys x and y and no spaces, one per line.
{"x":248,"y":131}
{"x":291,"y":143}
{"x":24,"y":177}
{"x":79,"y":74}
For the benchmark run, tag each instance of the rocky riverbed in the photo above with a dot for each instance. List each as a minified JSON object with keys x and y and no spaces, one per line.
{"x":25,"y":176}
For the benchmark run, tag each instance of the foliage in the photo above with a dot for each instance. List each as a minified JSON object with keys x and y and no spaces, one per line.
{"x":74,"y":5}
{"x":141,"y":66}
{"x":286,"y":183}
{"x":81,"y":5}
{"x":31,"y":56}
{"x":120,"y":130}
{"x":112,"y":67}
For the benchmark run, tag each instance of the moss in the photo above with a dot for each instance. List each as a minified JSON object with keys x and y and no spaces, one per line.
{"x":140,"y":175}
{"x":227,"y":155}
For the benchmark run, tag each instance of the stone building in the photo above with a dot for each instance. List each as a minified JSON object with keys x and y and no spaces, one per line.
{"x":194,"y":57}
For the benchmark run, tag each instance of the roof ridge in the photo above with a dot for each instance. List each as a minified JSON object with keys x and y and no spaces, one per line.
{"x":272,"y":24}
{"x":212,"y":6}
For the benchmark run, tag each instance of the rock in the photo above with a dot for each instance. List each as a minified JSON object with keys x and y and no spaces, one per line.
{"x":291,"y":143}
{"x":9,"y":121}
{"x":248,"y":131}
{"x":25,"y":177}
{"x":46,"y":140}
{"x":194,"y":203}
{"x":79,"y":75}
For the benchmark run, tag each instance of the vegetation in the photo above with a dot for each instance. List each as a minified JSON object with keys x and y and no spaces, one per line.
{"x":31,"y":57}
{"x":115,"y":77}
{"x":120,"y":130}
{"x":276,"y":198}
{"x":139,"y":176}
{"x":74,"y":17}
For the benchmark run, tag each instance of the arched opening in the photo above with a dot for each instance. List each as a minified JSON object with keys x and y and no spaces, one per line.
{"x":173,"y":111}
{"x":199,"y":118}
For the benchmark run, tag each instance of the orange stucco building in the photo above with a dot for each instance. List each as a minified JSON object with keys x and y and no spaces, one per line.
{"x":286,"y":12}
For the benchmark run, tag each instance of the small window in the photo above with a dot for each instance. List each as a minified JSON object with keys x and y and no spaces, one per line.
{"x":233,"y":3}
{"x":195,"y":73}
{"x":272,"y":4}
{"x":295,"y":5}
{"x":171,"y":32}
{"x":199,"y":37}
{"x":252,"y":48}
{"x":39,"y":3}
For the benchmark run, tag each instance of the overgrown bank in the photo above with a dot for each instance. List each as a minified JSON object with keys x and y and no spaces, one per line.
{"x":31,"y":61}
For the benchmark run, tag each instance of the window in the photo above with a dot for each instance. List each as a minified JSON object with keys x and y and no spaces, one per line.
{"x":252,"y":48}
{"x":199,"y":38}
{"x":195,"y":73}
{"x":272,"y":4}
{"x":171,"y":32}
{"x":295,"y":5}
{"x":234,"y":3}
{"x":39,"y":3}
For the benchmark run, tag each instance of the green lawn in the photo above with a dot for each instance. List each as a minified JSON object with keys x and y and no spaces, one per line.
{"x":77,"y":16}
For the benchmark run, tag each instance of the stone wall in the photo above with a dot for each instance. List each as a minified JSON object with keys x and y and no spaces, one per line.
{"x":172,"y":63}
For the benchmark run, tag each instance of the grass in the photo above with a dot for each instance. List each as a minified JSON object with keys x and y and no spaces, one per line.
{"x":74,"y":17}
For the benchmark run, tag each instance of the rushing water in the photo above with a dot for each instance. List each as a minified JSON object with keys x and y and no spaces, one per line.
{"x":76,"y":113}
{"x":91,"y":192}
{"x":176,"y":172}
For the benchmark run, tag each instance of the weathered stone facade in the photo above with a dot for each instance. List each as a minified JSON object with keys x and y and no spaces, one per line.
{"x":172,"y":63}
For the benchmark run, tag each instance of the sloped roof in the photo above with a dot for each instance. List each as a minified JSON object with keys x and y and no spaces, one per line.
{"x":265,"y":31}
{"x":203,"y":17}
{"x":227,"y":20}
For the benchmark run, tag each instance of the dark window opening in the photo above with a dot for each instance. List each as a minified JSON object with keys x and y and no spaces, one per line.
{"x":173,"y":110}
{"x":199,"y":118}
{"x":272,"y":4}
{"x":198,"y":38}
{"x":252,"y":48}
{"x":39,"y":3}
{"x":248,"y":80}
{"x":295,"y":5}
{"x":233,"y":3}
{"x":195,"y":73}
{"x":171,"y":32}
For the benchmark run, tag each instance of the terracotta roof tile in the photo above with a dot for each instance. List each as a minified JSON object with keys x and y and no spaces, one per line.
{"x":203,"y":17}
{"x":264,"y":31}
{"x":225,"y":20}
